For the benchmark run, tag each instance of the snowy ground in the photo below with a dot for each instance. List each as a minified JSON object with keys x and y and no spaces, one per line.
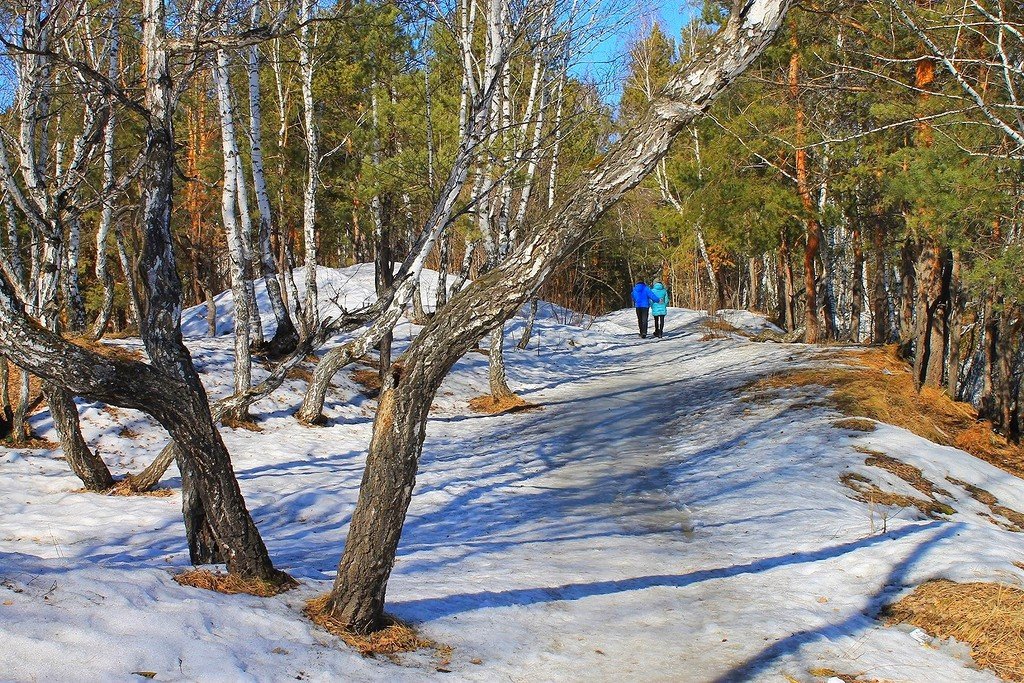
{"x":646,"y":524}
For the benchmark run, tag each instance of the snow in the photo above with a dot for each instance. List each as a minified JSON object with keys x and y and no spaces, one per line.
{"x":646,"y":524}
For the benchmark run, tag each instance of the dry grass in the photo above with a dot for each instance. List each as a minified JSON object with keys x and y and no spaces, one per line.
{"x":721,"y":325}
{"x":868,"y":492}
{"x":989,"y":617}
{"x":907,"y":473}
{"x":826,"y":673}
{"x":489,"y":405}
{"x":300,"y":373}
{"x":1014,"y":519}
{"x":34,"y":443}
{"x":878,"y":385}
{"x":393,"y":639}
{"x":230,"y":584}
{"x":856,"y":424}
{"x":369,"y":380}
{"x":125,"y":487}
{"x":248,"y":425}
{"x":111,"y":351}
{"x":127,"y":433}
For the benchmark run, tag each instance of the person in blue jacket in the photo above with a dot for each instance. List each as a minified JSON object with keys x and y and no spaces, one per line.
{"x":659,"y":308}
{"x":643,"y":297}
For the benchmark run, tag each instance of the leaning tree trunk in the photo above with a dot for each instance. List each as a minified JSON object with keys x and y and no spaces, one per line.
{"x":285,"y":336}
{"x":528,"y":329}
{"x":86,"y":464}
{"x":357,"y":598}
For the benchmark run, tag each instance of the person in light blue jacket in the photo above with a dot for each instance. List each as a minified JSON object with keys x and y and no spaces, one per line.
{"x":643,"y":297}
{"x":659,"y":308}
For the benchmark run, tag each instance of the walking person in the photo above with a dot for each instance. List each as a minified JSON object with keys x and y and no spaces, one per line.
{"x":643,"y":297}
{"x":659,"y":308}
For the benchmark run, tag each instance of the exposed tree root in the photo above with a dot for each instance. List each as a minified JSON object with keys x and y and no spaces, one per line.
{"x":393,"y":639}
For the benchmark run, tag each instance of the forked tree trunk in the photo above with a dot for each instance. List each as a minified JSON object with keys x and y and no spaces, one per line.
{"x":357,"y":598}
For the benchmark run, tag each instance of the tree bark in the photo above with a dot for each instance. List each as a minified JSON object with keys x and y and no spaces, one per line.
{"x":357,"y":598}
{"x":879,"y":296}
{"x":857,"y":285}
{"x":87,"y":465}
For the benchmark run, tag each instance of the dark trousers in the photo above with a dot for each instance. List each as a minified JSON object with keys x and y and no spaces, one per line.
{"x":641,"y":319}
{"x":659,"y":325}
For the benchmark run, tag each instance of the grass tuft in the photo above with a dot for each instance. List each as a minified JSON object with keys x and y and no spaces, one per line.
{"x":856,"y":424}
{"x":126,"y":487}
{"x":489,"y":405}
{"x":369,"y":380}
{"x":231,"y":584}
{"x":989,"y":617}
{"x":396,"y":637}
{"x":249,"y":425}
{"x":826,"y":673}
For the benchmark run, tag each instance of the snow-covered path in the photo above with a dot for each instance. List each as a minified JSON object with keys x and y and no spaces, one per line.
{"x":645,"y":524}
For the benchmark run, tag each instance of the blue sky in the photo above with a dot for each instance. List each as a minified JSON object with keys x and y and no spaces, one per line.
{"x":607,"y":59}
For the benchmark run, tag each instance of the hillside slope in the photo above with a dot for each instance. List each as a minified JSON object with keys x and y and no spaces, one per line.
{"x":650,"y":522}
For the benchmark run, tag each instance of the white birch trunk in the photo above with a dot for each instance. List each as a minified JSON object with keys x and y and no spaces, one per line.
{"x":311,"y":318}
{"x":236,"y":245}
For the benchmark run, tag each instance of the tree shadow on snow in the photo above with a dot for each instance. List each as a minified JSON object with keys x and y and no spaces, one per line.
{"x":434,"y":608}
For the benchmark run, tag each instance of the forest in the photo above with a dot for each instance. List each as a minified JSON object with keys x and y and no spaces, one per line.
{"x":851,"y":170}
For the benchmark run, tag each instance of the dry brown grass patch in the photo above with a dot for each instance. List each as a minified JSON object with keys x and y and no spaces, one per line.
{"x":125,"y":487}
{"x":369,"y":380}
{"x":248,"y":425}
{"x":989,"y":617}
{"x":111,"y":351}
{"x":721,"y":325}
{"x":867,"y":492}
{"x":907,"y":473}
{"x":230,"y":584}
{"x":489,"y":405}
{"x":826,"y":673}
{"x":300,"y":373}
{"x":878,"y":385}
{"x":395,"y":638}
{"x":127,"y":433}
{"x":1014,"y":519}
{"x":856,"y":424}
